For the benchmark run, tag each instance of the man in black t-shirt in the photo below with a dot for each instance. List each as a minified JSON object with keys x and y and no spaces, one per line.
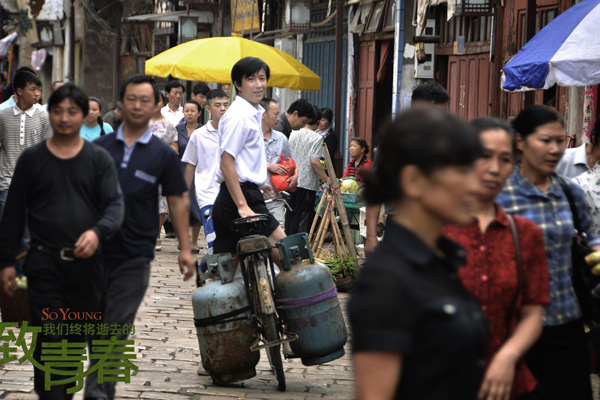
{"x":298,"y":114}
{"x":67,"y":191}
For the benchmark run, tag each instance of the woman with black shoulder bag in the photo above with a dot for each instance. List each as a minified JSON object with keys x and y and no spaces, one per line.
{"x":506,"y":269}
{"x":560,"y":358}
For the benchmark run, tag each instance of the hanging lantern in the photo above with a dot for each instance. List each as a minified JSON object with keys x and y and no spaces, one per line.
{"x":188,"y":28}
{"x":297,"y":15}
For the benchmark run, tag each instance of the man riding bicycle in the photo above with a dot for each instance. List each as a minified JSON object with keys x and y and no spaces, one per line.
{"x":243,"y":167}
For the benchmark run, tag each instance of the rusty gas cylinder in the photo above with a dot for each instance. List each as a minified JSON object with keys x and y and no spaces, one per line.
{"x":223,"y":323}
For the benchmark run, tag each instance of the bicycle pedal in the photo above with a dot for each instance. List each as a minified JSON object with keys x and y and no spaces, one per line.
{"x":287,"y":351}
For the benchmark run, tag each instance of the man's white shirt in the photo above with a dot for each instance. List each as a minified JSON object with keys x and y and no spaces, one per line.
{"x":172,"y":116}
{"x":240,"y":132}
{"x":203,"y":152}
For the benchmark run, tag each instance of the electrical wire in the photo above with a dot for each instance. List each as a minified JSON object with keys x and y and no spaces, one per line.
{"x":109,"y":29}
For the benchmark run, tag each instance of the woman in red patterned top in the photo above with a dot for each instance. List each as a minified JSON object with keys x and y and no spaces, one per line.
{"x":358,"y":152}
{"x":491,"y":274}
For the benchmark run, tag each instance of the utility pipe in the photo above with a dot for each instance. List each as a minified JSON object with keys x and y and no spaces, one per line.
{"x":398,"y":56}
{"x":339,"y":43}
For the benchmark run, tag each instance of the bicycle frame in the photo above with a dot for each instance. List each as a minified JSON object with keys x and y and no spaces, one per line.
{"x":261,"y":280}
{"x":265,"y":292}
{"x":282,"y":197}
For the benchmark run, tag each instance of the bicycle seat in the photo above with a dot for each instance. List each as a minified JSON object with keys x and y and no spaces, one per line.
{"x":249,"y":225}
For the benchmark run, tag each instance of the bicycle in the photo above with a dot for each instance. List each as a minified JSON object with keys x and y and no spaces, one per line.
{"x":258,"y":271}
{"x":283,"y":196}
{"x":279,"y":212}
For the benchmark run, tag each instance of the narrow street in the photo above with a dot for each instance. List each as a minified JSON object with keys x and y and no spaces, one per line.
{"x":168,"y":354}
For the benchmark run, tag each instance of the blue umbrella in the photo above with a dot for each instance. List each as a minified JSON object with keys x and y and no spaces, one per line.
{"x":565,"y":52}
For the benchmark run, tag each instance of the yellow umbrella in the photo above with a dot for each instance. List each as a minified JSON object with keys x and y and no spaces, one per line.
{"x":211,"y":60}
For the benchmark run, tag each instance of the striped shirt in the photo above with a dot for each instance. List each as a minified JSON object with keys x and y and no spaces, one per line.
{"x":18,"y":131}
{"x":552,"y":213}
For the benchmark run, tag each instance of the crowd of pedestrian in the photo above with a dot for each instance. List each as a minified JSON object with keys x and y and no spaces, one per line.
{"x":515,"y":259}
{"x":88,"y":196}
{"x":468,"y":296}
{"x":86,"y":212}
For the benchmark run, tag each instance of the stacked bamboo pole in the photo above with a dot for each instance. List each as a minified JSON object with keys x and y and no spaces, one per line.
{"x":330,"y":202}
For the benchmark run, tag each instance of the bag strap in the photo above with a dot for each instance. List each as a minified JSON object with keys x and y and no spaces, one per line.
{"x":512,"y":314}
{"x":567,"y":190}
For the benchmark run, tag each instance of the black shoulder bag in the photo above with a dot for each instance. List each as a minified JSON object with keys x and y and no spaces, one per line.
{"x":581,"y":274}
{"x":512,"y":312}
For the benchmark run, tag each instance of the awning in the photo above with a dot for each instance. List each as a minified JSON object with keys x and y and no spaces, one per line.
{"x":204,"y":17}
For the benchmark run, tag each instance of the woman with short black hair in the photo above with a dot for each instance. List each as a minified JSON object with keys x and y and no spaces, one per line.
{"x":506,"y":269}
{"x":417,"y":332}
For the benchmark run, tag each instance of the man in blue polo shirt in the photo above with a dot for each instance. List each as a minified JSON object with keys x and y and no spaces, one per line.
{"x":143,"y":163}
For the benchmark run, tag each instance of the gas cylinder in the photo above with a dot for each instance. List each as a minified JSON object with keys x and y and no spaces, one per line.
{"x":307,"y":301}
{"x":223,"y":322}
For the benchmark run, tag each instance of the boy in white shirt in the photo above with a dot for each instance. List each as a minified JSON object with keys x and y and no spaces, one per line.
{"x":243,"y":163}
{"x":202,"y":158}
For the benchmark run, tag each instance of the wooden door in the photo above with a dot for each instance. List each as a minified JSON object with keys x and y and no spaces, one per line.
{"x":366,"y":91}
{"x":468,"y":86}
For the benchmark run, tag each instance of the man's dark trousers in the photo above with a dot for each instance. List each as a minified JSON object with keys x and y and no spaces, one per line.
{"x":124,"y":283}
{"x":303,"y":206}
{"x":56,"y":284}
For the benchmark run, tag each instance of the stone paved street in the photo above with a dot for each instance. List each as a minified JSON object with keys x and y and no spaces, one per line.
{"x":168,"y":354}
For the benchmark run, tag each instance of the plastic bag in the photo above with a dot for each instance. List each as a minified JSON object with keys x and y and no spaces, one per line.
{"x":280,"y":182}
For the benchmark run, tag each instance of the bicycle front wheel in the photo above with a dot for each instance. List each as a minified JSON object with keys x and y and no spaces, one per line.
{"x":274,"y":352}
{"x":268,"y":322}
